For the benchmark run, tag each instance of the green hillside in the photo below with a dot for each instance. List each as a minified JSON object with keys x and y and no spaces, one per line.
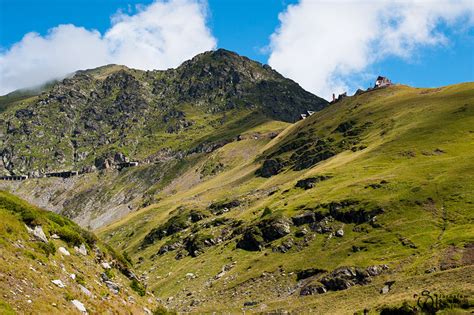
{"x":46,"y":272}
{"x":236,"y":204}
{"x":384,"y":179}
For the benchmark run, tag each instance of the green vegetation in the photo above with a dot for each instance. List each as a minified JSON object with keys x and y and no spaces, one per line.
{"x":138,"y":287}
{"x":235,"y":209}
{"x":398,"y":185}
{"x":29,"y":264}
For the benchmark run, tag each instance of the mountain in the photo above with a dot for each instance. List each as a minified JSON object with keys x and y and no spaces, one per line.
{"x":236,"y":206}
{"x":111,"y":114}
{"x":372,"y":194}
{"x":49,"y":265}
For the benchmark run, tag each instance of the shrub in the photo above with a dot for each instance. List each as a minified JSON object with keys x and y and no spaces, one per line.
{"x":48,"y":248}
{"x":266,"y":212}
{"x":109,"y":273}
{"x":161,"y":310}
{"x":80,"y":279}
{"x":138,"y":287}
{"x":69,"y":236}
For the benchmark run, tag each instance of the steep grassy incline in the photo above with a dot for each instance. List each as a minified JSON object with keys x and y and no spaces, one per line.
{"x":48,"y":265}
{"x":381,"y":184}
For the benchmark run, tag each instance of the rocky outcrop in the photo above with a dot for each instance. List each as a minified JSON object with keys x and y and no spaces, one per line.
{"x":310,"y":182}
{"x":343,"y":278}
{"x":270,"y":168}
{"x":255,"y":237}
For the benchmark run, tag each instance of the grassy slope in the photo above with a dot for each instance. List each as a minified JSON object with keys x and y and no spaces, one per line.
{"x":27,"y":267}
{"x":420,"y":142}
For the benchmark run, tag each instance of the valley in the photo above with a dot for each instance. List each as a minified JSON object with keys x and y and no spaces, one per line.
{"x":236,"y":204}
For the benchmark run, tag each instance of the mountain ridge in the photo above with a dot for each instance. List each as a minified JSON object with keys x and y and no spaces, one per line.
{"x":104,"y":109}
{"x":361,"y":205}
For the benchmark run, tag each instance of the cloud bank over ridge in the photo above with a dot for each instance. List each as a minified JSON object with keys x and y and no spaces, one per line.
{"x":319,"y":43}
{"x":158,"y":36}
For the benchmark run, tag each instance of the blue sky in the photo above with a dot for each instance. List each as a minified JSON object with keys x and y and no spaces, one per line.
{"x":245,"y":26}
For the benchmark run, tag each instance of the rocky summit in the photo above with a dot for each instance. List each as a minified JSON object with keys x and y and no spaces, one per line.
{"x":221,"y":186}
{"x":102,"y":117}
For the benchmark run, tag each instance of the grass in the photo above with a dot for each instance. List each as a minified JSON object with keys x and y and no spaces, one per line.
{"x":419,"y":142}
{"x":27,"y":266}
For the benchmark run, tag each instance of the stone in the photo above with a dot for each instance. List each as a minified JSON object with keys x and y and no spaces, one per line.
{"x":59,"y":283}
{"x":64,"y":251}
{"x":114,"y":287}
{"x":190,"y":275}
{"x":85,"y":290}
{"x":340,"y":233}
{"x":80,"y":307}
{"x":302,"y":232}
{"x":276,"y":228}
{"x":250,"y":303}
{"x":270,"y":168}
{"x":81,"y":249}
{"x":38,"y":233}
{"x":252,"y":239}
{"x":374,"y":270}
{"x":310,"y":182}
{"x":73,"y":276}
{"x":308,"y":273}
{"x":385,"y":289}
{"x":308,"y":217}
{"x":312,"y":290}
{"x":106,"y":265}
{"x":104,"y":277}
{"x":55,"y":236}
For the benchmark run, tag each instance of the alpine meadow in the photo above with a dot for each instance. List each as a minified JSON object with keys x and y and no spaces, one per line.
{"x":222,"y":186}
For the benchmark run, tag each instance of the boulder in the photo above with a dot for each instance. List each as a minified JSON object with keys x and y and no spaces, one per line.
{"x":38,"y":233}
{"x":64,"y":251}
{"x":285,"y":246}
{"x":275,"y":228}
{"x":81,"y":249}
{"x":387,"y":287}
{"x":59,"y":283}
{"x":106,"y":265}
{"x":310,"y":182}
{"x":312,"y":290}
{"x":340,"y":233}
{"x":114,"y":287}
{"x":302,"y":232}
{"x":252,"y":239}
{"x":104,"y":277}
{"x":85,"y":290}
{"x":308,"y":217}
{"x":308,"y":273}
{"x":80,"y":307}
{"x":269,"y":168}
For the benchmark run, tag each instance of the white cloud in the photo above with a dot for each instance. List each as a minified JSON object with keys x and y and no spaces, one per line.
{"x":158,"y":36}
{"x":319,"y":43}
